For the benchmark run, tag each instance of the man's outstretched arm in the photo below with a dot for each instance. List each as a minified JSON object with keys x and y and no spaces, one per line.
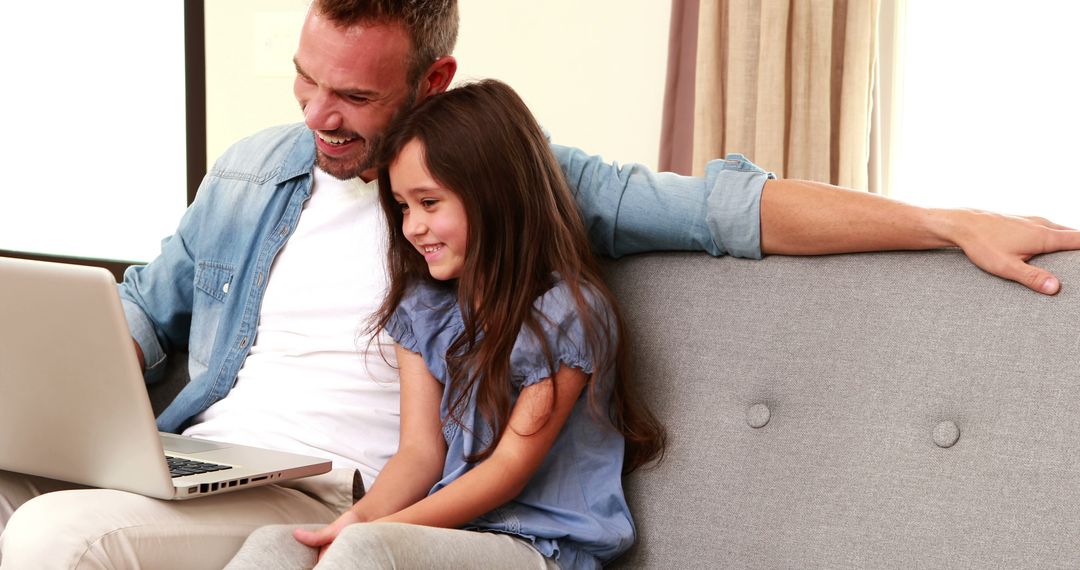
{"x":809,"y":218}
{"x":739,"y":209}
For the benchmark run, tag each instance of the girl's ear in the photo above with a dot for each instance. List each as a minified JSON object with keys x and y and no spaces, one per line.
{"x":438,"y":76}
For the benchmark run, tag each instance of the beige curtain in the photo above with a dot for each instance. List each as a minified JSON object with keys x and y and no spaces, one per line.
{"x":789,"y":83}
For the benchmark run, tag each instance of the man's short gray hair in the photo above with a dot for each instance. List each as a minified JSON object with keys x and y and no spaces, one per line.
{"x":432,"y":25}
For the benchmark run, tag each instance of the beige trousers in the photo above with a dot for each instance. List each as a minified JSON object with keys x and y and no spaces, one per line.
{"x":53,"y":525}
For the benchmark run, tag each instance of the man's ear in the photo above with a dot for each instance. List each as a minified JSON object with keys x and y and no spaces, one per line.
{"x":438,"y":76}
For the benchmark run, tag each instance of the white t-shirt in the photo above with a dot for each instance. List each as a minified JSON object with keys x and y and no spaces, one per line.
{"x":311,"y":383}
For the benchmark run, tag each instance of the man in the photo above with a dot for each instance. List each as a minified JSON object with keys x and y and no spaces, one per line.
{"x":273,"y":270}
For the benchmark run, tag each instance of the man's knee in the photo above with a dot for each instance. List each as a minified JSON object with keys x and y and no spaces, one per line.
{"x":44,"y":528}
{"x":17,"y":488}
{"x":67,"y":529}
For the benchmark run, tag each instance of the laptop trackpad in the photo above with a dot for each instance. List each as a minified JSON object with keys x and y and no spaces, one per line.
{"x":189,"y":444}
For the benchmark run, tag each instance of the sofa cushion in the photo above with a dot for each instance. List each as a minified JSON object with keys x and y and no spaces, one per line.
{"x":873,"y":410}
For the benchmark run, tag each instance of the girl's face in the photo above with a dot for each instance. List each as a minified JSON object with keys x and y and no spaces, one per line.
{"x":434,"y":218}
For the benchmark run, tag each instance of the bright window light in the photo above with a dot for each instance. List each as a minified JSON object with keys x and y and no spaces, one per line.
{"x":991,"y":107}
{"x":92,"y":109}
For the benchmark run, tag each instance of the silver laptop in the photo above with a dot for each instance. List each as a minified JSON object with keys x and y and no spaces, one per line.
{"x":73,"y":405}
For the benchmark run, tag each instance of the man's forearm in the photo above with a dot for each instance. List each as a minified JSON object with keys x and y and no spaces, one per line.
{"x":799,"y":217}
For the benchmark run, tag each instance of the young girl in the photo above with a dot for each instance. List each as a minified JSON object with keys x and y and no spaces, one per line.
{"x":516,"y":416}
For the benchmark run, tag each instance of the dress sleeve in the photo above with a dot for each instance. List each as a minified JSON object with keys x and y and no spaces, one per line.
{"x":562,"y":329}
{"x":400,"y":326}
{"x":426,"y":314}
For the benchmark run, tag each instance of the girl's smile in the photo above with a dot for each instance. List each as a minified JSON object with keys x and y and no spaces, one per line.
{"x":433,"y":217}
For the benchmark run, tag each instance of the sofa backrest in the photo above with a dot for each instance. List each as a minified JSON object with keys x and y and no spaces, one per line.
{"x":873,"y":410}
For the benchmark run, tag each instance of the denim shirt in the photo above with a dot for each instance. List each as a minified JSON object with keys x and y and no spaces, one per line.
{"x":573,"y":508}
{"x":203,"y":293}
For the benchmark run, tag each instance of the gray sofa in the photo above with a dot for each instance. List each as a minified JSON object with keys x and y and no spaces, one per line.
{"x":894,"y":410}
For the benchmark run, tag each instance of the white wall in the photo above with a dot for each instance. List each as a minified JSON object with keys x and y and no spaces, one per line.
{"x":249,"y":70}
{"x":592,"y":72}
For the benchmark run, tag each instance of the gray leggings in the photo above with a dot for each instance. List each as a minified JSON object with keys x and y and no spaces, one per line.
{"x":389,"y":545}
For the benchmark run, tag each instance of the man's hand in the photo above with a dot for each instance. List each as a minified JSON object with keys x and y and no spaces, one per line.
{"x":323,"y":537}
{"x":1002,"y":245}
{"x":799,"y":217}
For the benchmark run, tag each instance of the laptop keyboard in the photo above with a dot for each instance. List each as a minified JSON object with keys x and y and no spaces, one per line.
{"x":180,"y":467}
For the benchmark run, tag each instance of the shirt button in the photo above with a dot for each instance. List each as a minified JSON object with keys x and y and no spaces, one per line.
{"x":946,"y":434}
{"x":225,"y":288}
{"x":758,"y":415}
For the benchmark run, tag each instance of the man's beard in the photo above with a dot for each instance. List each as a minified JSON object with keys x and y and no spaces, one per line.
{"x":346,"y":167}
{"x":351,"y":167}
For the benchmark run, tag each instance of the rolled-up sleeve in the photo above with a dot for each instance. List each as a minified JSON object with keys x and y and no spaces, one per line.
{"x":157,"y":304}
{"x":733,"y":216}
{"x":630,"y":209}
{"x":142,"y":330}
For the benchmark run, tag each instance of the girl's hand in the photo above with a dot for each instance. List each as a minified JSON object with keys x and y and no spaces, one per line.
{"x":323,"y":537}
{"x":413,"y":470}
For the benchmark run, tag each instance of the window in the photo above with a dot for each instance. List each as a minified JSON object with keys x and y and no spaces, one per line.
{"x":94,"y":115}
{"x":990,"y":114}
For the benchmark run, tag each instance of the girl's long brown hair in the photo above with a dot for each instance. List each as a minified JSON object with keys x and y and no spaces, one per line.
{"x":482,"y":143}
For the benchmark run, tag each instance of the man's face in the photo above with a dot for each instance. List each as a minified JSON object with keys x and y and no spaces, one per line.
{"x":350,"y":82}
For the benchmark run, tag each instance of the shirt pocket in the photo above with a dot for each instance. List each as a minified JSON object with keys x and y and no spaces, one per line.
{"x":213,"y":284}
{"x":214,"y":279}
